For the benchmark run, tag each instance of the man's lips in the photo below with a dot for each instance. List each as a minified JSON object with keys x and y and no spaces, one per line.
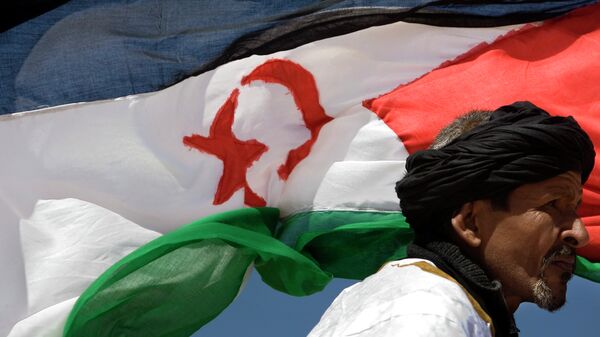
{"x":565,"y":263}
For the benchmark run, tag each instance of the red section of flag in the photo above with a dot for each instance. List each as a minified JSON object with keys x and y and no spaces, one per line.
{"x":555,"y":66}
{"x":237,"y":155}
{"x":301,"y":83}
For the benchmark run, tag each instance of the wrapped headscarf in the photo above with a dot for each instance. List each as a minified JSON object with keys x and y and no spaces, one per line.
{"x":520,"y":144}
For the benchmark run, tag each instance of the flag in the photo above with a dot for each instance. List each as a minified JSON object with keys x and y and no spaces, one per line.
{"x":300,"y":131}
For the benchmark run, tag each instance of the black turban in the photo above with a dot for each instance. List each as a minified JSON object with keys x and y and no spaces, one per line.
{"x":520,"y":144}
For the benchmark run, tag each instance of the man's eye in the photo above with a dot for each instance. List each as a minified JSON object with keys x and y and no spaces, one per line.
{"x":552,"y":204}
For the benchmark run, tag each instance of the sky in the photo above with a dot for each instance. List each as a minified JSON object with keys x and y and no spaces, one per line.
{"x":263,"y":312}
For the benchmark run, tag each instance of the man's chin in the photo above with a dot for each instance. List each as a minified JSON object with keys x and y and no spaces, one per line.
{"x":551,"y":296}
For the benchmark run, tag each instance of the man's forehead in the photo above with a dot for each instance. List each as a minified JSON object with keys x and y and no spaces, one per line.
{"x":567,"y":184}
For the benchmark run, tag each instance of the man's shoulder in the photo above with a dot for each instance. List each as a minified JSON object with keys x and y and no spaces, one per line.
{"x":405,"y":294}
{"x":414,"y":279}
{"x":414,"y":275}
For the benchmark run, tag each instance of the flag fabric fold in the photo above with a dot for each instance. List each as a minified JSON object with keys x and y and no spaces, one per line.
{"x":194,"y":272}
{"x":351,"y":244}
{"x":67,"y":244}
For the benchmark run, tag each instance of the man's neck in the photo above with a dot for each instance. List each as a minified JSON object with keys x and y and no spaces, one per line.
{"x":448,"y":257}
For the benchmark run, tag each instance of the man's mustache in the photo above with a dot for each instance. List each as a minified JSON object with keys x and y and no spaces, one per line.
{"x":561,"y":251}
{"x":564,"y":250}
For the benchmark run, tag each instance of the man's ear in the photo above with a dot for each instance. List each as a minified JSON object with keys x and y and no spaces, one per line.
{"x":465,"y":226}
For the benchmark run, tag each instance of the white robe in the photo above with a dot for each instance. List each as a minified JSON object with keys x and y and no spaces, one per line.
{"x":402,"y":300}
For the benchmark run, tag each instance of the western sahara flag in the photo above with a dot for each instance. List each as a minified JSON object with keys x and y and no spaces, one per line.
{"x":312,"y":134}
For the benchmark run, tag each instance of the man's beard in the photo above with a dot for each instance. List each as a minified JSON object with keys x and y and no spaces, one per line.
{"x":542,"y":293}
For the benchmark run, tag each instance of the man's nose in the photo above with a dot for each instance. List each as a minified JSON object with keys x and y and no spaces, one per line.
{"x":577,"y":235}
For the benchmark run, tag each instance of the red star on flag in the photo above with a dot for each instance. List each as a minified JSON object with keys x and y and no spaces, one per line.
{"x":237,"y":155}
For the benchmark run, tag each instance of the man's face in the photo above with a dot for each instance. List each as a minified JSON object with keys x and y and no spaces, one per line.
{"x":529,"y":247}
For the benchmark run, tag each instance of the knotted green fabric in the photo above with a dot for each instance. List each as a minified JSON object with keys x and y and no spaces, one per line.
{"x":190,"y":275}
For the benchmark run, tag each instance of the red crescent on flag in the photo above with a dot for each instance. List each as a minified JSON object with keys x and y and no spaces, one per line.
{"x":301,"y":83}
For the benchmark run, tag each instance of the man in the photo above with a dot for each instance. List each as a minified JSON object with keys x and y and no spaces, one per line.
{"x":493,"y":206}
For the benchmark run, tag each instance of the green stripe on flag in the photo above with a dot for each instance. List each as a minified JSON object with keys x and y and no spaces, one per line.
{"x":175,"y":284}
{"x":348,"y":244}
{"x":587,"y":269}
